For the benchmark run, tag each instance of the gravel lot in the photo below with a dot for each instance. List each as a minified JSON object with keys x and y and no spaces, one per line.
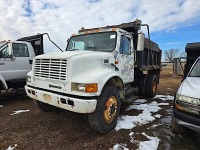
{"x":37,"y":130}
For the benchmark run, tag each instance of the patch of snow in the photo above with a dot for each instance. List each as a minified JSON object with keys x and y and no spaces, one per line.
{"x":19,"y":111}
{"x":119,"y":147}
{"x":154,"y":103}
{"x":129,"y":122}
{"x":1,"y":105}
{"x":157,"y":115}
{"x":131,"y":137}
{"x":11,"y":148}
{"x":140,"y":101}
{"x":149,"y":145}
{"x":155,"y":125}
{"x":145,"y":107}
{"x":164,"y":97}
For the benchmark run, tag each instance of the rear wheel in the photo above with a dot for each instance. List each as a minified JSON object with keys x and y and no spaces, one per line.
{"x":141,"y":85}
{"x":151,"y":86}
{"x":43,"y":106}
{"x":105,"y":116}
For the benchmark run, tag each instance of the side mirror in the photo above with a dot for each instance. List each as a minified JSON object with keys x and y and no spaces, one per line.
{"x":140,"y":41}
{"x":12,"y":57}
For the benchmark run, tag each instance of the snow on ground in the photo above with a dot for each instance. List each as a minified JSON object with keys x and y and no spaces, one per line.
{"x":155,"y":125}
{"x":157,"y":115}
{"x":19,"y":111}
{"x":119,"y":147}
{"x":131,"y":137}
{"x":140,"y":101}
{"x":149,"y":145}
{"x":164,"y":97}
{"x":129,"y":122}
{"x":11,"y":148}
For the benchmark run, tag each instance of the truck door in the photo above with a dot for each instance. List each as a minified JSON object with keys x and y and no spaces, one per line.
{"x":15,"y":66}
{"x":5,"y":60}
{"x":126,"y":58}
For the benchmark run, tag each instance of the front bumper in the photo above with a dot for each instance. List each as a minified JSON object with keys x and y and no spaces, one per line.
{"x":69,"y":103}
{"x":188,"y":120}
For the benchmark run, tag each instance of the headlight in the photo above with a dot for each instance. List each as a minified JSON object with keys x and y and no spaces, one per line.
{"x":28,"y":79}
{"x":188,"y":99}
{"x":84,"y":87}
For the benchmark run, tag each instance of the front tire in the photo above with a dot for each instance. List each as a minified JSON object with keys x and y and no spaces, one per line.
{"x":107,"y":111}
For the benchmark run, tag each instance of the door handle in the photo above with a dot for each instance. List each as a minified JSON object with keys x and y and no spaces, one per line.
{"x":2,"y":63}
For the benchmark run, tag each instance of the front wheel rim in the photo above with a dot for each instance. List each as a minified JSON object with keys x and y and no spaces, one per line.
{"x":110,"y":109}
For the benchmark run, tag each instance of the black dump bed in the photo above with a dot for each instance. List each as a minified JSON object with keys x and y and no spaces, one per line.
{"x":36,"y":41}
{"x":193,"y":52}
{"x":150,"y":57}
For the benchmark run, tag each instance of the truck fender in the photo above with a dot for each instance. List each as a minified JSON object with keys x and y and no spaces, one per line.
{"x":114,"y":80}
{"x":4,"y":86}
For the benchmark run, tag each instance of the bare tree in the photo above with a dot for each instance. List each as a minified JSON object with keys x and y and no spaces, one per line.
{"x":171,"y":54}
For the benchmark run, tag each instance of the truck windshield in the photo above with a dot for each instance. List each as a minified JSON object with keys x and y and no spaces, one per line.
{"x":195,"y":72}
{"x":103,"y":41}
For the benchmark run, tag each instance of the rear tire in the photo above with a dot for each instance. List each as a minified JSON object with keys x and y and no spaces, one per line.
{"x":43,"y":106}
{"x":107,"y":111}
{"x":176,"y":128}
{"x":151,"y":86}
{"x":141,"y":85}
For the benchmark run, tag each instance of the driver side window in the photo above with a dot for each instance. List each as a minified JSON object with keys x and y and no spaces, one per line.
{"x":125,"y":47}
{"x":20,"y":50}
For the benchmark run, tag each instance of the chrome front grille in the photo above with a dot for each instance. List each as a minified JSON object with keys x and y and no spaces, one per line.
{"x":51,"y":68}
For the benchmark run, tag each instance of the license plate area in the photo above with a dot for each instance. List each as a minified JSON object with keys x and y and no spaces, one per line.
{"x":47,"y":97}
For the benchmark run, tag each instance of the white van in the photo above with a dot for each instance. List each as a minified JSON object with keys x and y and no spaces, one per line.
{"x":187,"y":102}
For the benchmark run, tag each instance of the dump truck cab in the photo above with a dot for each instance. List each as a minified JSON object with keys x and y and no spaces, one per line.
{"x":117,"y":43}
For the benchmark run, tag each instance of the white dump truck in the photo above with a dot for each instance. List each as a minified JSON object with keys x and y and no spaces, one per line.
{"x":98,"y":71}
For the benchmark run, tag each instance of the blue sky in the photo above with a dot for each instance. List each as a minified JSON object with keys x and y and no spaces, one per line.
{"x":177,"y":38}
{"x":173,"y":23}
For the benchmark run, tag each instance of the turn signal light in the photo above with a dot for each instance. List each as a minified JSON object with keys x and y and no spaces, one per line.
{"x":89,"y":88}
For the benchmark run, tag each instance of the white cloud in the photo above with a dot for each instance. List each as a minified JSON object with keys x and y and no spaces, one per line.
{"x":62,"y":18}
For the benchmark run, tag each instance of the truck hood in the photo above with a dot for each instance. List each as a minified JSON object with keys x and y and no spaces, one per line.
{"x":63,"y":55}
{"x":191,"y":87}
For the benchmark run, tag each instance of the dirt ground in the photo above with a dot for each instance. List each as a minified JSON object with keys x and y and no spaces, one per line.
{"x":64,"y":130}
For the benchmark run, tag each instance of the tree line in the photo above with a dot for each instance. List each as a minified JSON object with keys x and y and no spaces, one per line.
{"x":170,"y":54}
